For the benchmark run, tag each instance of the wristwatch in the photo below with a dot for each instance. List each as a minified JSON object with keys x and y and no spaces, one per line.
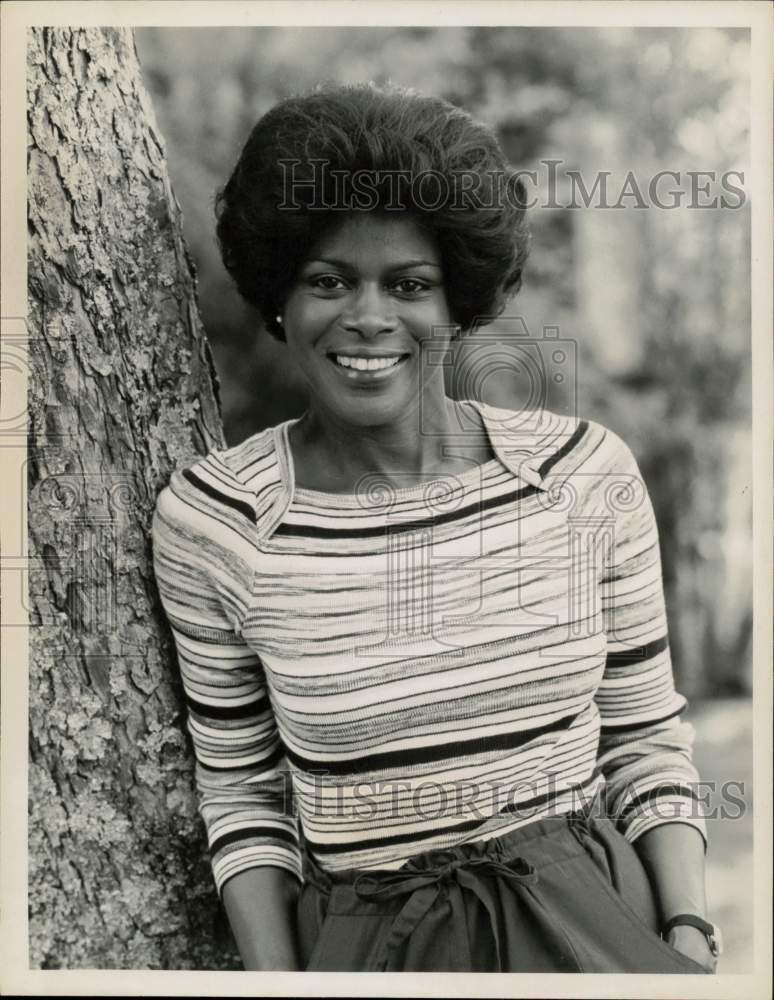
{"x":710,"y":931}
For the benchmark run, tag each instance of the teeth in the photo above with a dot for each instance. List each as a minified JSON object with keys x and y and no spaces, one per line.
{"x":366,"y":364}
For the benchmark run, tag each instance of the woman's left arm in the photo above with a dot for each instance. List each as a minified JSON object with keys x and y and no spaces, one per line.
{"x":673,"y":856}
{"x":645,"y":748}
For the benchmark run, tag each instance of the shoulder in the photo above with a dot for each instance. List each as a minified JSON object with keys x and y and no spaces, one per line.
{"x":230,"y":488}
{"x":554,"y":443}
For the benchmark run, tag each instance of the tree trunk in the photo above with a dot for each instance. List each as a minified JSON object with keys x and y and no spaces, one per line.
{"x":122,"y":389}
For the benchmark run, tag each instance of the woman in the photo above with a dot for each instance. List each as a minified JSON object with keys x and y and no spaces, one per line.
{"x":434,"y":728}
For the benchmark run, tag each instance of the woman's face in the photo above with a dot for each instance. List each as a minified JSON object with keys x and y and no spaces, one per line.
{"x":364,"y":305}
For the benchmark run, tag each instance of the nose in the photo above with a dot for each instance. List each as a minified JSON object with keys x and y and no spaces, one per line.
{"x":369,"y":312}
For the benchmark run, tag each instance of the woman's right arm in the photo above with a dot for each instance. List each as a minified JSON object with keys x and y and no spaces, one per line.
{"x":244,"y":786}
{"x":261,"y":908}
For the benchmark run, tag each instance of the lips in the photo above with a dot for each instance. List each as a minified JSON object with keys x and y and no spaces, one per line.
{"x":366,"y":365}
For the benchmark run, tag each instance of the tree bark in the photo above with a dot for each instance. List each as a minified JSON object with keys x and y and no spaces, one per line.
{"x":122,"y":389}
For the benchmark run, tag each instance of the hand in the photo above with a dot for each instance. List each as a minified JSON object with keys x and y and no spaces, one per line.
{"x":691,"y":942}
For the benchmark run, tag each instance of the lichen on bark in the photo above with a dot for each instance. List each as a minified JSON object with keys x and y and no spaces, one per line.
{"x":122,"y":389}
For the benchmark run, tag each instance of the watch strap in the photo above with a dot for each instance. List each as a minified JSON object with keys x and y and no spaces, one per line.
{"x":688,"y":918}
{"x":692,"y":920}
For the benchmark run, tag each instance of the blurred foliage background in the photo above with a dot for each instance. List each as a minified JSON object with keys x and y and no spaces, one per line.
{"x":653,"y":303}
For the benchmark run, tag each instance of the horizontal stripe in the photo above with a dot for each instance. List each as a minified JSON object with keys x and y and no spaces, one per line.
{"x":382,"y":530}
{"x":263,"y":764}
{"x":247,"y":833}
{"x":625,"y":657}
{"x":623,"y":727}
{"x":228,"y":711}
{"x":422,"y":755}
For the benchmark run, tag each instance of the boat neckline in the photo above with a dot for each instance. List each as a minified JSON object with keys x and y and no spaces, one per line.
{"x":377,"y":490}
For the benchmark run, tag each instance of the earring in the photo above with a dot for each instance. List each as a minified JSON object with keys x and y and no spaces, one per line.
{"x":278,"y":318}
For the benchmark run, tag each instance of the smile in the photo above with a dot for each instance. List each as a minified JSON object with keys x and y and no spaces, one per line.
{"x":366,"y":364}
{"x":361,"y":367}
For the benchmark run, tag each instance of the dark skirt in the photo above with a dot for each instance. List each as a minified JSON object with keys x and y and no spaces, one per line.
{"x":562,"y":894}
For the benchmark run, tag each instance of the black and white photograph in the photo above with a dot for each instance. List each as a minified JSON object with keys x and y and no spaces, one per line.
{"x":386,"y":550}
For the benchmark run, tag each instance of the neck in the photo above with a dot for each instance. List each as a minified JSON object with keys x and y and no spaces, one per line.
{"x":412,"y":446}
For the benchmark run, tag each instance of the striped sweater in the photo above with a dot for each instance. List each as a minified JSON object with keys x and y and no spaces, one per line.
{"x":375,"y":674}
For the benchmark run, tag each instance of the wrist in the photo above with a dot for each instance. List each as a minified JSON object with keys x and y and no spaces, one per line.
{"x":685,"y":933}
{"x":690,"y":927}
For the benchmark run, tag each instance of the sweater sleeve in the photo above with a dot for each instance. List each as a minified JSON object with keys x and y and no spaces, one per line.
{"x":244,"y":790}
{"x":645,"y":750}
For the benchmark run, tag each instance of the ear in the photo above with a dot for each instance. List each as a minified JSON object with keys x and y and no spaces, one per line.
{"x":274,"y":327}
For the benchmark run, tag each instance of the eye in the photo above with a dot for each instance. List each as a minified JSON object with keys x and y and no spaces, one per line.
{"x":410,"y":286}
{"x":327,"y":282}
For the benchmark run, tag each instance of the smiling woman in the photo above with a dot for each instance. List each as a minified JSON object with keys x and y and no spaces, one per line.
{"x":400,"y":593}
{"x":360,"y":319}
{"x":359,"y":313}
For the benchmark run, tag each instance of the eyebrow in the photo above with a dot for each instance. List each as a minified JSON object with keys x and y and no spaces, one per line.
{"x":346,"y":266}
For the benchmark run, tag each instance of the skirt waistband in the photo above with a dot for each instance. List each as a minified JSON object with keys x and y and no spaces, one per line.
{"x":500,"y":845}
